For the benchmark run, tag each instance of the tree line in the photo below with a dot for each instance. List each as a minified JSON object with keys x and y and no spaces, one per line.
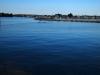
{"x":6,"y":15}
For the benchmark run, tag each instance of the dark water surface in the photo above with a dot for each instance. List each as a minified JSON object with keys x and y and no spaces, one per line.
{"x":29,"y":47}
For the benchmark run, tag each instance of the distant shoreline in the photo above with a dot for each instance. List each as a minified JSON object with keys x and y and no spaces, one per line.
{"x":57,"y":17}
{"x":72,"y":20}
{"x":68,"y":18}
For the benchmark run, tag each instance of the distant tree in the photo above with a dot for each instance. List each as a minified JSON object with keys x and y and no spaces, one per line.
{"x":58,"y":15}
{"x":6,"y":14}
{"x":70,"y":15}
{"x":11,"y":15}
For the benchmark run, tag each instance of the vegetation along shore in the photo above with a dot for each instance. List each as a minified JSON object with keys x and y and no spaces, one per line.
{"x":57,"y":17}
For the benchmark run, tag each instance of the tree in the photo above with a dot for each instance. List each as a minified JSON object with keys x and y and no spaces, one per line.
{"x":70,"y":15}
{"x":58,"y":15}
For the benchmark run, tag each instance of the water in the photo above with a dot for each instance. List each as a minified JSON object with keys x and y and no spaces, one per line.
{"x":29,"y":47}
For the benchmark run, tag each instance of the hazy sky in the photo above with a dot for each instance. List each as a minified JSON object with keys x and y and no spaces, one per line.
{"x":77,"y":7}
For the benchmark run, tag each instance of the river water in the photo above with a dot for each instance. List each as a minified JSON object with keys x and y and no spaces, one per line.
{"x":30,"y":47}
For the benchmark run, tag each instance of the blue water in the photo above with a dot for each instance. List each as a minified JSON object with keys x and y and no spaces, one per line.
{"x":32,"y":47}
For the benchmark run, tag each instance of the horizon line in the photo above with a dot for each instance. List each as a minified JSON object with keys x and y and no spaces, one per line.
{"x":48,"y":14}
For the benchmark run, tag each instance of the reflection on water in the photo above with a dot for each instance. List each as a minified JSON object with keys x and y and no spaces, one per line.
{"x":29,"y":47}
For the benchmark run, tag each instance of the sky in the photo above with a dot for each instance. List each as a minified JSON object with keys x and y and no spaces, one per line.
{"x":77,"y":7}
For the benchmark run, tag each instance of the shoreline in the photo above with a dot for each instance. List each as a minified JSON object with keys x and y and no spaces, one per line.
{"x":71,"y":20}
{"x":67,"y":20}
